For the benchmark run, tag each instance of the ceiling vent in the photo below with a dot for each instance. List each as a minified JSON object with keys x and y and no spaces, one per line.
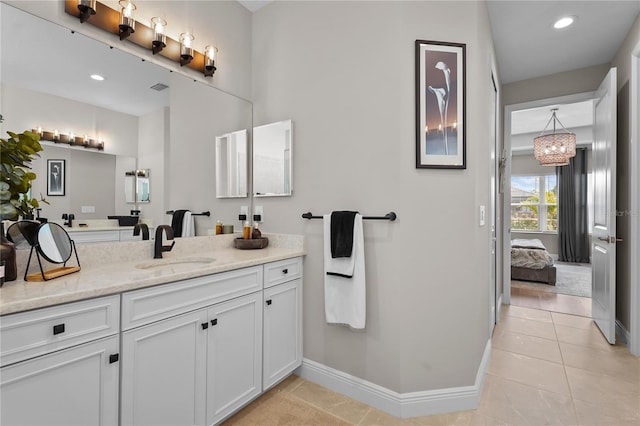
{"x":159,"y":87}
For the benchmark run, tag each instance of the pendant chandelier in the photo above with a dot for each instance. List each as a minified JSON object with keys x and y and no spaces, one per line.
{"x":554,"y":149}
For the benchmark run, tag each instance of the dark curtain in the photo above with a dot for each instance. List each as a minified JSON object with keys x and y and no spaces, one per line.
{"x":573,"y":228}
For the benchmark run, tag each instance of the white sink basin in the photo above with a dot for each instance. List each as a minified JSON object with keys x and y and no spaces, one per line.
{"x":182,"y":264}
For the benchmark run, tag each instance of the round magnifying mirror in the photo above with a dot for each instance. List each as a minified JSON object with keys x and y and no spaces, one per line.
{"x":54,"y":243}
{"x":23,"y":234}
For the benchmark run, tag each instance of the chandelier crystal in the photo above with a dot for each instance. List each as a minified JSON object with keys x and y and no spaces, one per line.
{"x":554,"y":149}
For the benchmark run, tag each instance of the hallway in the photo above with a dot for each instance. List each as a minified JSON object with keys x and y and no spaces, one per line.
{"x":546,"y":368}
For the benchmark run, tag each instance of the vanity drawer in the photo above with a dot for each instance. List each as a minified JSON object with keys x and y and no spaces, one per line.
{"x":152,"y":304}
{"x":29,"y":334}
{"x":282,"y":271}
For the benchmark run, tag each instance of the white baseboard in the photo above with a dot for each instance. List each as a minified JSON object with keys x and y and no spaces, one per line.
{"x":624,"y":334}
{"x":403,"y":405}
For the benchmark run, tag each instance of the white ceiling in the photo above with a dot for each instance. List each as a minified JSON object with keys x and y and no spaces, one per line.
{"x":528,"y":46}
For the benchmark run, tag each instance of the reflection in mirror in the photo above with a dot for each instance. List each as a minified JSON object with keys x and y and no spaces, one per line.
{"x":136,"y":186}
{"x":130,"y":187}
{"x":141,"y":111}
{"x":143,"y":193}
{"x":272,"y":174}
{"x":231,"y":165}
{"x":54,"y":243}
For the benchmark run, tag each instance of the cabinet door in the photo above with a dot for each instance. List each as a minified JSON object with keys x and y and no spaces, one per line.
{"x":163,"y":372}
{"x":234,"y":355}
{"x":282,"y":331}
{"x":77,"y":386}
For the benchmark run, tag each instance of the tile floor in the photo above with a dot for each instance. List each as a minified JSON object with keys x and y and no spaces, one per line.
{"x":546,"y":368}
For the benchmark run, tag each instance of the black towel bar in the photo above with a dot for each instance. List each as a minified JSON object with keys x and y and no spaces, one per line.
{"x":193,"y":214}
{"x":389,"y":216}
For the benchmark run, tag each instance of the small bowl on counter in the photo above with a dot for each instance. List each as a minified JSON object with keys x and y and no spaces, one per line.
{"x":252,"y":244}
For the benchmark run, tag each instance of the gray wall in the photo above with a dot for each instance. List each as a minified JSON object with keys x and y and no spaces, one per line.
{"x":622,"y":62}
{"x":344,"y":73}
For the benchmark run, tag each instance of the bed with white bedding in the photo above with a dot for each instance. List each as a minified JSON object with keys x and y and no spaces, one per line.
{"x":530,"y":261}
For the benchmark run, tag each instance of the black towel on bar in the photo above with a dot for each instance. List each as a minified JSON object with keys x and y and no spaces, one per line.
{"x":176,"y":222}
{"x":342,"y":233}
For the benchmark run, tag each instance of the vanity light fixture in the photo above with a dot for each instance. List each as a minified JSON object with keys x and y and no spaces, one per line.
{"x":210,"y":53}
{"x":159,"y":38}
{"x":554,"y":149}
{"x":56,"y":137}
{"x":86,"y":8}
{"x":127,"y":22}
{"x":186,"y":48}
{"x":146,"y":35}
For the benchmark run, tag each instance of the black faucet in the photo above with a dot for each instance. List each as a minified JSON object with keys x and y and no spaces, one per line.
{"x":159,"y":248}
{"x":69,"y":218}
{"x":145,"y":230}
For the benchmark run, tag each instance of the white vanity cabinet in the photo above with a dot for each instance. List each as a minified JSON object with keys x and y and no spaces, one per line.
{"x":60,"y":365}
{"x":163,"y":365}
{"x":234,"y":355}
{"x":282,"y":336}
{"x":192,"y":350}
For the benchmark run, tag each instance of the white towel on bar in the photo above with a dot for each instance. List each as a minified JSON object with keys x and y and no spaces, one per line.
{"x":188,"y":227}
{"x":345,"y":298}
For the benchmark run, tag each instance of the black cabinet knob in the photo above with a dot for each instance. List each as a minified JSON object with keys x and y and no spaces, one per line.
{"x":114,"y":358}
{"x":268,"y":302}
{"x":214,"y":321}
{"x":58,"y":328}
{"x":205,"y":325}
{"x":285,"y":271}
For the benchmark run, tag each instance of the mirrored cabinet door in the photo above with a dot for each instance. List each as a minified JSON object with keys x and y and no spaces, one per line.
{"x":272,"y":158}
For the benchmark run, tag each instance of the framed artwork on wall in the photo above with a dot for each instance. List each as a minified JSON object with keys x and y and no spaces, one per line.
{"x":55,"y":177}
{"x":440,"y":105}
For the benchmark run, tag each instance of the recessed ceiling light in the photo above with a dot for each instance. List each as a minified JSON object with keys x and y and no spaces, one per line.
{"x":97,"y":77}
{"x":564,"y":22}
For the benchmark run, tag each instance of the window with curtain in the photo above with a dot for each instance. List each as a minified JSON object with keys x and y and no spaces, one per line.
{"x":534,"y":203}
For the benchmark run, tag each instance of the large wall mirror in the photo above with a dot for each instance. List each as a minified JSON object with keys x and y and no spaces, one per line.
{"x":148,"y":117}
{"x":272,"y":171}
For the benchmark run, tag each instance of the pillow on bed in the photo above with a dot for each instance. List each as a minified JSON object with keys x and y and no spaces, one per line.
{"x":528,"y":244}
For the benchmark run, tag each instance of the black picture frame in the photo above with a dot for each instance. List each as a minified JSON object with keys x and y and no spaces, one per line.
{"x":56,"y":178}
{"x":440,"y":105}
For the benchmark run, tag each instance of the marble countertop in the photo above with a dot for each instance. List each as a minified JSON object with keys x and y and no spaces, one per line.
{"x":131,"y":269}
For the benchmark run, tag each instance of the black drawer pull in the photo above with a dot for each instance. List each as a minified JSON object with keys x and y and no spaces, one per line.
{"x":214,"y":321}
{"x":57,"y":329}
{"x":114,"y":358}
{"x":268,"y":302}
{"x":285,"y":271}
{"x":205,"y":325}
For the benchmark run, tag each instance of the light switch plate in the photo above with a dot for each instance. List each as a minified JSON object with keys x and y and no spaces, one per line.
{"x":88,"y":209}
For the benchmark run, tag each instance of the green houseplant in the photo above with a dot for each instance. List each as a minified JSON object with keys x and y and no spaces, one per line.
{"x":16,"y":154}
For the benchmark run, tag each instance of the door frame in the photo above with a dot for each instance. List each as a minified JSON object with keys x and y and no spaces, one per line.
{"x":634,"y":237}
{"x":506,"y":206}
{"x":494,"y":191}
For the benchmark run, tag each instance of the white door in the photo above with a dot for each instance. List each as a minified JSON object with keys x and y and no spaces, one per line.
{"x":282,"y":331}
{"x":77,"y":386}
{"x":234,"y":355}
{"x":603,"y":246}
{"x":164,"y":372}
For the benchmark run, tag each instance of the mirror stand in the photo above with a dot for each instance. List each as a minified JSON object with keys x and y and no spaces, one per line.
{"x":51,"y":273}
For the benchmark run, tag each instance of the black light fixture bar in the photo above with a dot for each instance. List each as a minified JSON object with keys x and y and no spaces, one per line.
{"x":108,"y":20}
